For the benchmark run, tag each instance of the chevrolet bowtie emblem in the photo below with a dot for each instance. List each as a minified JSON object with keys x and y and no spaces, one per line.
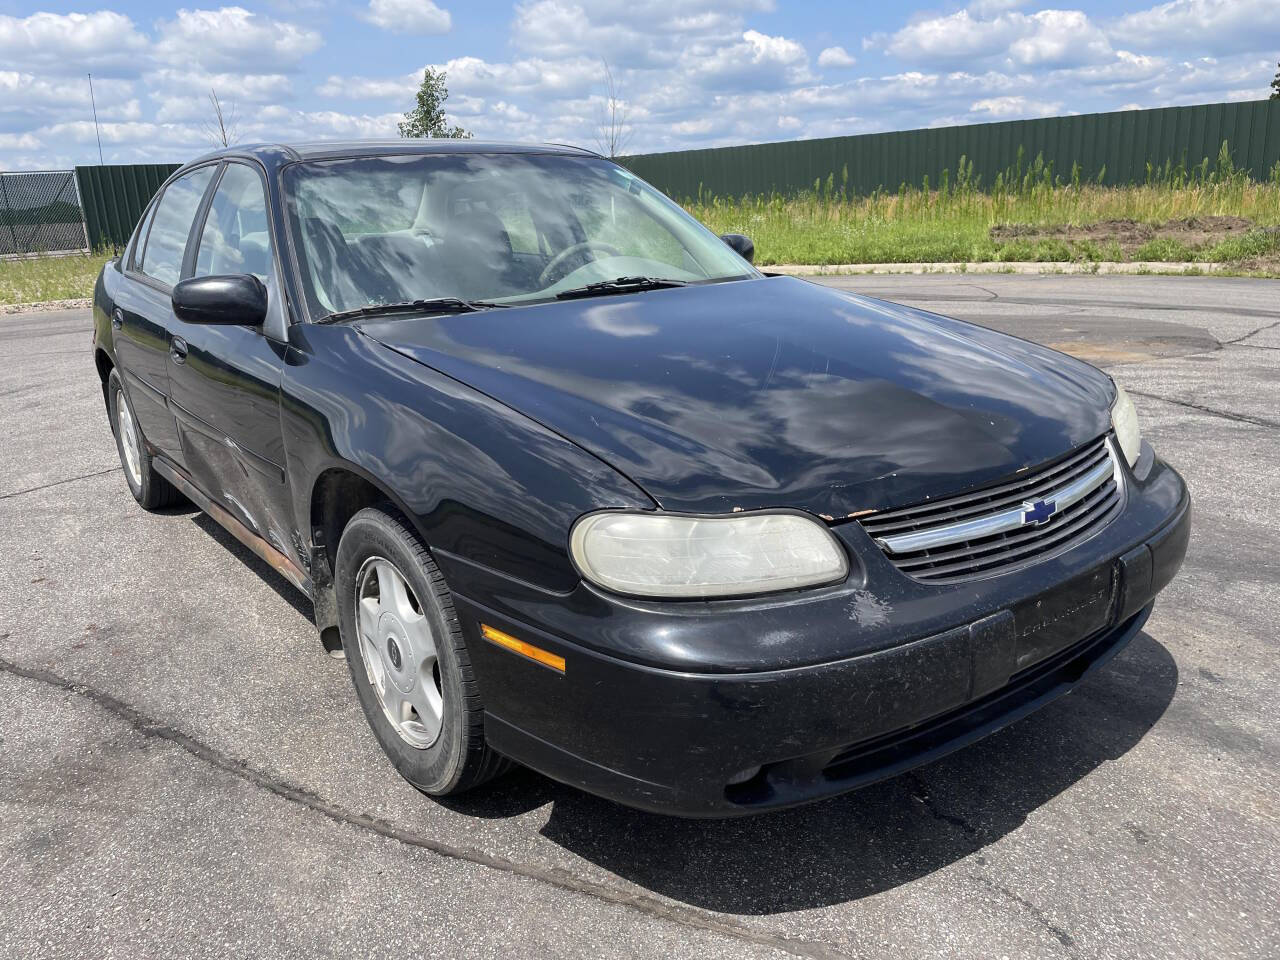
{"x":1038,"y":511}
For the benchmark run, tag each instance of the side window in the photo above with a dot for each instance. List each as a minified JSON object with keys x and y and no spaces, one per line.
{"x":140,"y":237}
{"x":171,"y":224}
{"x":235,"y":237}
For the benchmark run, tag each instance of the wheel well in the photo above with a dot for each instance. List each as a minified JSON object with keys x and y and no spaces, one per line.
{"x":105,"y":366}
{"x":337,"y":496}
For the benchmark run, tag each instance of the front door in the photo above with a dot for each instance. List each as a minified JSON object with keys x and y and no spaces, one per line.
{"x":224,"y":381}
{"x":143,"y":312}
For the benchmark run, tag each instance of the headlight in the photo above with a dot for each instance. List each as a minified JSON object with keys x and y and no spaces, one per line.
{"x":1124,"y":420}
{"x":668,"y":555}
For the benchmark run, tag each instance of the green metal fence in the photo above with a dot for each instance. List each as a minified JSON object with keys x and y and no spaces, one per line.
{"x":114,"y":197}
{"x":1110,"y":148}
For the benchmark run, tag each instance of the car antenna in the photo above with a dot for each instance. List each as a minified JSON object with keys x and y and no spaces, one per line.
{"x":115,"y":249}
{"x":94,"y":104}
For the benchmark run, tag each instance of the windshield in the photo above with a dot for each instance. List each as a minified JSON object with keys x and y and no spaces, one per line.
{"x":505,"y":228}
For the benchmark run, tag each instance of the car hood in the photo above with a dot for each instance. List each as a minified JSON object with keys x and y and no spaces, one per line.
{"x":771,"y":392}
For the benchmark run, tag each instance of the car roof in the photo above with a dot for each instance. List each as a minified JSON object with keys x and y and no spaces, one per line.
{"x":275,"y":154}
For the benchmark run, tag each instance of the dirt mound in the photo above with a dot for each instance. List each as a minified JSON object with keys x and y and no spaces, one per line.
{"x":1193,"y":232}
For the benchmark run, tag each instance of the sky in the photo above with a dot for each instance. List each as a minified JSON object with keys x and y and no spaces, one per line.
{"x":691,"y":74}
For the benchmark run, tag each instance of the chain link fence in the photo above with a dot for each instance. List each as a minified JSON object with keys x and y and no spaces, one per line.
{"x":40,"y":212}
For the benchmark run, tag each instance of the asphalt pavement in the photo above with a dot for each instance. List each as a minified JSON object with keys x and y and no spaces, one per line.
{"x":184,"y":773}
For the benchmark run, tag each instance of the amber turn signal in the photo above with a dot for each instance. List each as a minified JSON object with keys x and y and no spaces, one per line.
{"x":544,"y":657}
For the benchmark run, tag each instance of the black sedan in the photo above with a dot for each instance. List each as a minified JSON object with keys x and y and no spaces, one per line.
{"x":571,"y":483}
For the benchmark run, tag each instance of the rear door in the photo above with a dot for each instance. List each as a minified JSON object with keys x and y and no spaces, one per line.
{"x":143,"y":312}
{"x":224,"y":380}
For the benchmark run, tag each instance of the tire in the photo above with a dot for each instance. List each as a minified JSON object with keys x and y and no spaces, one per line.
{"x":399,"y":684}
{"x":151,"y":490}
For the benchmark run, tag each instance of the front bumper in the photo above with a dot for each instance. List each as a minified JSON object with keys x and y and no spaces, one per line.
{"x":663,"y":737}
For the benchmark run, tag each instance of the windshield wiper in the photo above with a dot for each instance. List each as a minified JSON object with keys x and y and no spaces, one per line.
{"x":435,"y":305}
{"x":619,"y":285}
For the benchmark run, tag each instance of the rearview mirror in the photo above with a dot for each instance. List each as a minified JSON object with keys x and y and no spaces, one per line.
{"x":238,"y":298}
{"x":741,"y":245}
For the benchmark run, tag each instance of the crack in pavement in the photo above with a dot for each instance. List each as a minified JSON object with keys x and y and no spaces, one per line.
{"x":1034,"y":911}
{"x":552,"y":876}
{"x":1238,"y":417}
{"x":58,"y":483}
{"x":1252,"y":333}
{"x":921,"y":794}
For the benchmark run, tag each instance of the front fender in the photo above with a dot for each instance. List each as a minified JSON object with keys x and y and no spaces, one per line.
{"x":488,"y":489}
{"x":104,"y":349}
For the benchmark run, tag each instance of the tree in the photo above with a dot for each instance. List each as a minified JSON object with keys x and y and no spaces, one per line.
{"x":222,"y":129}
{"x":1275,"y":84}
{"x":613,"y":132}
{"x":427,"y":118}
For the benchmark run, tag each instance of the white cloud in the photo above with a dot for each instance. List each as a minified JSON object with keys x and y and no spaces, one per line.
{"x":246,"y":87}
{"x":1046,"y":38}
{"x":73,"y":43}
{"x":24,"y":91}
{"x":471,"y":77}
{"x":986,"y":8}
{"x":836,"y":57}
{"x":628,"y":33}
{"x":1060,"y":37}
{"x":280,"y":123}
{"x":1210,"y":79}
{"x":754,"y":62}
{"x":1225,"y":26}
{"x":232,"y":38}
{"x":701,"y":73}
{"x":1015,"y":108}
{"x":1126,"y":70}
{"x":408,"y":16}
{"x":19,"y":141}
{"x":955,"y":37}
{"x":337,"y":86}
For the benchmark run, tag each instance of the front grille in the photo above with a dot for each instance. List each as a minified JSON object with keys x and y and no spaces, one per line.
{"x":983,"y":533}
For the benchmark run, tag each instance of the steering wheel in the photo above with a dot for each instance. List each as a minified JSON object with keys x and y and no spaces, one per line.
{"x":544,"y":278}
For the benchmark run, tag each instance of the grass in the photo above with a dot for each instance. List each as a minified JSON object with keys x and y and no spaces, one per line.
{"x":959,"y":220}
{"x":50,"y":278}
{"x":916,"y":227}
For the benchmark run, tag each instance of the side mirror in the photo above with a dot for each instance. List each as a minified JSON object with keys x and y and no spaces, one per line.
{"x":236,"y":299}
{"x":741,"y":245}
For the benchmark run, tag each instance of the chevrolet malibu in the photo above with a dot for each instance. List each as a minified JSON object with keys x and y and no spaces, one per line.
{"x":570,"y":483}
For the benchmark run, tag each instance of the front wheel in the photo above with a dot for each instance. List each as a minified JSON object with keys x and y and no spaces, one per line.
{"x":408,"y":660}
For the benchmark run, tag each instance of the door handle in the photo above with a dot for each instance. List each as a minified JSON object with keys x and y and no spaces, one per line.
{"x":178,"y":350}
{"x":117,"y":318}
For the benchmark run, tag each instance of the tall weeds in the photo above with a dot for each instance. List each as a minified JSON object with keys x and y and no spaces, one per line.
{"x":952,"y":219}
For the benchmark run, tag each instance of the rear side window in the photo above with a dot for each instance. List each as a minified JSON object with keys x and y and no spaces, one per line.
{"x":140,"y":238}
{"x":234,"y":239}
{"x":167,"y":241}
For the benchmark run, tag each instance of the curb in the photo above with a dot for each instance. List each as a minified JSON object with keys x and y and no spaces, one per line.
{"x":41,"y":306}
{"x":995,"y":266}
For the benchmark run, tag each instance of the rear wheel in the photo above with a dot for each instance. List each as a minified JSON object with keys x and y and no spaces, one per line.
{"x":150,"y":489}
{"x":408,"y":660}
